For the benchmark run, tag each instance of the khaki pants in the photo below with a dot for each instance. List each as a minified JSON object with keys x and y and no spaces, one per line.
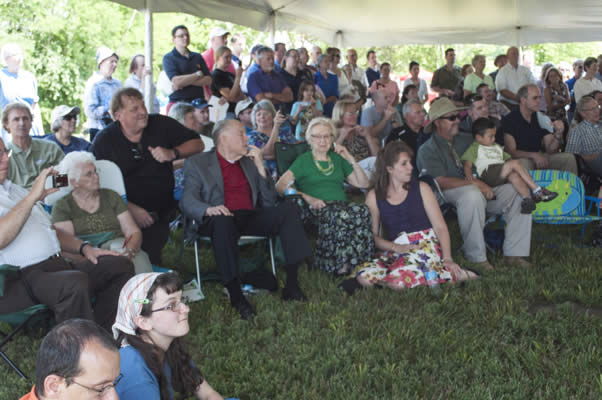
{"x":557,"y":161}
{"x":141,"y":261}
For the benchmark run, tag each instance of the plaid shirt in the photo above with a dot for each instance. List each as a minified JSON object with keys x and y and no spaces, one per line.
{"x":586,"y":138}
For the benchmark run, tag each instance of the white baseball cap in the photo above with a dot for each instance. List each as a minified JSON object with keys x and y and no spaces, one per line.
{"x":242,"y":105}
{"x":103,"y":53}
{"x":218,"y":31}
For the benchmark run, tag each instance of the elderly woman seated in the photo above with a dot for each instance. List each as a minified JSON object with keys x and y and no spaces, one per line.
{"x":414,"y":238}
{"x":64,"y":123}
{"x":99,"y":216}
{"x":269,"y":127}
{"x":344,"y":236}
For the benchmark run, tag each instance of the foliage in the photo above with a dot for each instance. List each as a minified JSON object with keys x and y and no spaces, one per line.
{"x":60,"y":38}
{"x":496,"y":338}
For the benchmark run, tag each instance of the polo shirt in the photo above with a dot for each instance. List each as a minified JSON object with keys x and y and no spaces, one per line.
{"x":527,"y":135}
{"x":26,"y":165}
{"x":208,"y":56}
{"x":264,"y":82}
{"x":175,"y":64}
{"x":473,"y":80}
{"x":510,"y":78}
{"x":76,"y":144}
{"x":407,"y":135}
{"x":372,"y":75}
{"x":436,"y":157}
{"x":237,"y":192}
{"x":148,"y":183}
{"x":446,"y":79}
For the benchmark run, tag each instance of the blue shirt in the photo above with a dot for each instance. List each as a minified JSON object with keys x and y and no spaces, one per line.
{"x":77,"y":144}
{"x":175,"y":64}
{"x":262,"y":82}
{"x":138,"y":380}
{"x":372,"y":75}
{"x":98,"y":101}
{"x":330,"y":87}
{"x":571,"y":85}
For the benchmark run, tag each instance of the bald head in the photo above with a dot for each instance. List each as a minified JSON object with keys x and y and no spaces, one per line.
{"x":512,"y":55}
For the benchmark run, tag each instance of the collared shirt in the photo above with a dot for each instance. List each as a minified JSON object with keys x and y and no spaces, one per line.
{"x":372,"y":75}
{"x":98,"y":102}
{"x":583,"y":87}
{"x":26,"y":165}
{"x":175,"y":64}
{"x":510,"y":78}
{"x":330,"y":87}
{"x":407,"y":135}
{"x":359,"y":74}
{"x":585,"y":138}
{"x":135,"y":82}
{"x":446,"y":79}
{"x":264,"y":82}
{"x":440,"y":158}
{"x":21,"y":87}
{"x":36,"y":241}
{"x":76,"y":144}
{"x":527,"y":135}
{"x":237,"y":192}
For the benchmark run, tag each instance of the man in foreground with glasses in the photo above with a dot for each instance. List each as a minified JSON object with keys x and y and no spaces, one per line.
{"x":144,"y":147}
{"x":77,"y":360}
{"x":472,"y":198}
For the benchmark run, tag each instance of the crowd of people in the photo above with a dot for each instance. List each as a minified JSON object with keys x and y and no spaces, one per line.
{"x":216,"y":146}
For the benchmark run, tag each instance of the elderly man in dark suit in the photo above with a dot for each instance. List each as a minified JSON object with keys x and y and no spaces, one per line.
{"x":228,"y":192}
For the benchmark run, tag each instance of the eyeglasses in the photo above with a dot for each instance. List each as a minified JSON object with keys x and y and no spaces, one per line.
{"x":173,"y":307}
{"x":451,"y":117}
{"x":69,"y":117}
{"x":325,"y":137}
{"x":100,"y":392}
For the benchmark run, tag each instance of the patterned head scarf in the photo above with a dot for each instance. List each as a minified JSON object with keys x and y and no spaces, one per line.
{"x":131,"y":299}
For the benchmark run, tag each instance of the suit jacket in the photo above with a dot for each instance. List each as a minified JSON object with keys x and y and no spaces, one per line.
{"x":204,"y":185}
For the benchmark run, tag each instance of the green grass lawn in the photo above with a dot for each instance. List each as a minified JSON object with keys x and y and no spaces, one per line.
{"x":513,"y":334}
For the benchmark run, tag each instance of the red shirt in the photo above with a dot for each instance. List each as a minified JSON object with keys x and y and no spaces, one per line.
{"x":31,"y":395}
{"x":237,"y":192}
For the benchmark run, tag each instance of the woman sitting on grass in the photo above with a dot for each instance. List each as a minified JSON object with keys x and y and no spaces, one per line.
{"x":152,"y":319}
{"x":344,"y":236}
{"x":415,"y":238}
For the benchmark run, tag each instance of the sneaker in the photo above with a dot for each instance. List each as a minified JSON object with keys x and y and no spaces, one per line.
{"x":245,"y":309}
{"x":527,"y":206}
{"x":517,"y":261}
{"x":544,"y":195}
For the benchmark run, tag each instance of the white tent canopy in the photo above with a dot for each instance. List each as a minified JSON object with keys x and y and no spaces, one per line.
{"x":366,"y":23}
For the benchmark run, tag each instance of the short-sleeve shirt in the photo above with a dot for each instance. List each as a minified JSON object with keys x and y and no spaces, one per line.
{"x":585,"y":138}
{"x":583,"y":87}
{"x":527,"y":135}
{"x":390,"y":88}
{"x":175,"y":64}
{"x":372,"y":75}
{"x":446,"y":79}
{"x":26,"y":165}
{"x":139,"y":382}
{"x":310,"y":180}
{"x":304,"y":118}
{"x":103,"y":220}
{"x":148,"y":183}
{"x":76,"y":144}
{"x":264,"y":82}
{"x":484,"y":156}
{"x":330,"y":87}
{"x":436,"y":156}
{"x":260,"y":139}
{"x":423,"y":91}
{"x":222,"y":80}
{"x":292,"y":81}
{"x":371,"y":117}
{"x":510,"y":78}
{"x":473,"y":80}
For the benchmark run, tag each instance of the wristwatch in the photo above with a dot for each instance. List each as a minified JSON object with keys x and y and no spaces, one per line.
{"x":176,"y":153}
{"x":81,"y":247}
{"x":199,"y":73}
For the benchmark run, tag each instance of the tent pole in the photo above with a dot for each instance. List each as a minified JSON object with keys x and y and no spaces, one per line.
{"x":340,"y":40}
{"x":148,"y":54}
{"x":273,"y":29}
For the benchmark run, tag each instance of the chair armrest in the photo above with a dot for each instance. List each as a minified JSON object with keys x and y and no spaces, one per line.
{"x":6,"y":270}
{"x":593,"y":200}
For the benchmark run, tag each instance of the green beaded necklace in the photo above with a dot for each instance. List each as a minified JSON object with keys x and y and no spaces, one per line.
{"x":326,"y":171}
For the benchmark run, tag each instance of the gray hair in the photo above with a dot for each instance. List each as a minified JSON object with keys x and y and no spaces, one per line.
{"x":179,"y":111}
{"x":262,"y":51}
{"x":577,"y":62}
{"x":476,"y":59}
{"x":262,"y":105}
{"x":56,"y":124}
{"x":71,"y":164}
{"x":219,"y":128}
{"x":10,"y":49}
{"x":11,"y":107}
{"x":321,"y":121}
{"x":407,"y":107}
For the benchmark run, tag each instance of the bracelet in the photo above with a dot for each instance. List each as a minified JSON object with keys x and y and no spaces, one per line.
{"x":81,"y":247}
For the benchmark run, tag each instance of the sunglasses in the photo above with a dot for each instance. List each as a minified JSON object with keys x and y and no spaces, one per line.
{"x":138,"y":152}
{"x":69,"y":117}
{"x":451,"y":117}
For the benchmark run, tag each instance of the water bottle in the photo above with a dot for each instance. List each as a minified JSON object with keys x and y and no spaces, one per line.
{"x":432,"y":281}
{"x":290,"y":190}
